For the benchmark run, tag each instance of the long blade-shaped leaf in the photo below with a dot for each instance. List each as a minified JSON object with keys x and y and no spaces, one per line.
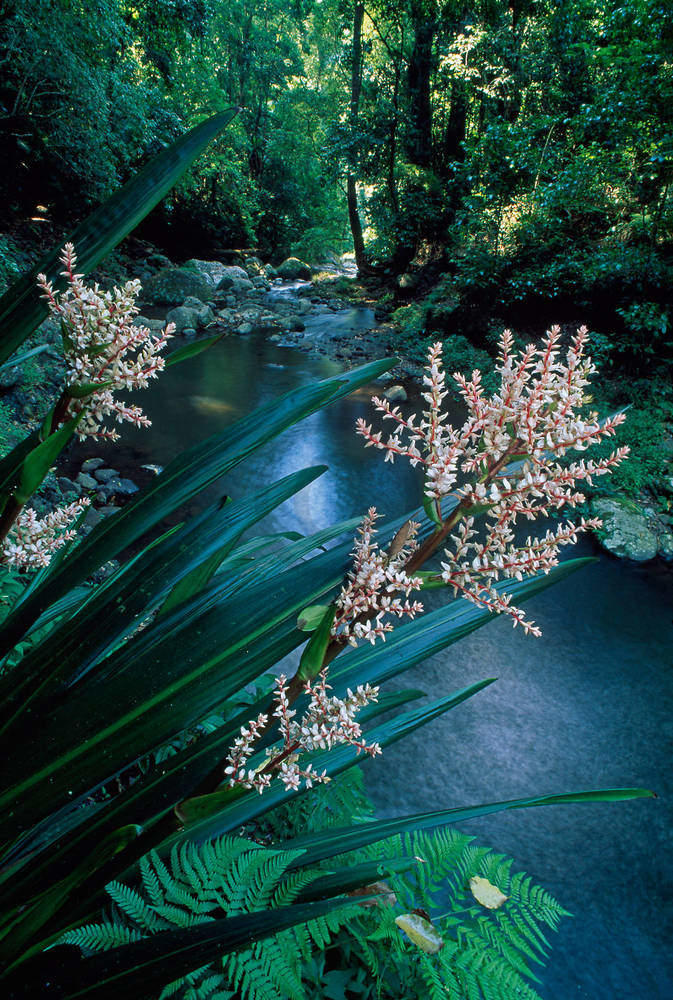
{"x":181,"y":480}
{"x":140,"y":969}
{"x":328,"y":843}
{"x":243,"y":809}
{"x":22,"y":309}
{"x":71,"y":650}
{"x":413,"y":642}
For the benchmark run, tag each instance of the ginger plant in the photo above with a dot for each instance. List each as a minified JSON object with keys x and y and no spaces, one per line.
{"x":104,"y":353}
{"x":505,"y":464}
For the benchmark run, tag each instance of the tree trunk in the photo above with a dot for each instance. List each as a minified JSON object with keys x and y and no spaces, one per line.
{"x":351,"y":186}
{"x":420,"y":69}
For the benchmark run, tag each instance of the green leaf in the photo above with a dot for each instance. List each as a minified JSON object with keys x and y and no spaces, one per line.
{"x":22,"y":358}
{"x":30,"y":921}
{"x":140,"y":969}
{"x":318,"y":846}
{"x":87,"y":389}
{"x":37,"y":463}
{"x":21,"y":307}
{"x":191,"y":350}
{"x":309,"y":619}
{"x":313,"y":656}
{"x":245,"y":808}
{"x":186,"y":476}
{"x":413,"y":642}
{"x":430,"y":508}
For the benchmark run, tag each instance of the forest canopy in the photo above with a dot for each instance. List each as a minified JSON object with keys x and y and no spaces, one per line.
{"x":522,"y":150}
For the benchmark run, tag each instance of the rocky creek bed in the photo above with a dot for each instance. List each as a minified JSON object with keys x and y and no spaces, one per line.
{"x":250,"y":298}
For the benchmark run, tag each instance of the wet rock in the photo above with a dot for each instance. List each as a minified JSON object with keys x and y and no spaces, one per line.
{"x":627,"y":531}
{"x":230,"y":275}
{"x":396,"y":394}
{"x":155,"y":325}
{"x":105,"y":475}
{"x":210,"y":270}
{"x":92,"y":518}
{"x":253,"y":266}
{"x":204,"y":313}
{"x":172,"y":285}
{"x":116,"y":488}
{"x":92,"y":463}
{"x":270,"y":271}
{"x":244,"y":329}
{"x":108,"y":509}
{"x":191,"y":315}
{"x":293,"y":269}
{"x":184,"y":318}
{"x":66,"y":486}
{"x":49,"y":332}
{"x":86,"y":481}
{"x":9,"y":377}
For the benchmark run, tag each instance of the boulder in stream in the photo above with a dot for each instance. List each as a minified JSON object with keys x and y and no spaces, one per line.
{"x":396,"y":394}
{"x":210,"y":270}
{"x":293,"y":269}
{"x":172,"y":285}
{"x":189,"y":317}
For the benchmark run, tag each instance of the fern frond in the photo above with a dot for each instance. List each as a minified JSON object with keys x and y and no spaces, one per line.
{"x":101,"y":937}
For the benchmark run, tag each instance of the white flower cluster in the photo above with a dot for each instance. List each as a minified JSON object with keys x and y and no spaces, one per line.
{"x":103,"y":349}
{"x":327,"y":722}
{"x":368,"y":596}
{"x":509,"y":449}
{"x":32,"y":541}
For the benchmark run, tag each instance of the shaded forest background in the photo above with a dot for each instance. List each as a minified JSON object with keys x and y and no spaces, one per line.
{"x":488,"y":162}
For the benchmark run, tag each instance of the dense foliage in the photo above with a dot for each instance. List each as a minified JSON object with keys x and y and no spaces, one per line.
{"x":525,"y":148}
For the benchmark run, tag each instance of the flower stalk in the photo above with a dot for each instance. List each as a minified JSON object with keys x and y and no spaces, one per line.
{"x":504,"y":465}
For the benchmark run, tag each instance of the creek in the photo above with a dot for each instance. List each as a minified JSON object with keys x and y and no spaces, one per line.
{"x":589,"y":705}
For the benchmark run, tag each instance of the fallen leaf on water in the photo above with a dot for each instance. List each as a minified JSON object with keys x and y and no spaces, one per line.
{"x":421,"y":932}
{"x":486,"y":893}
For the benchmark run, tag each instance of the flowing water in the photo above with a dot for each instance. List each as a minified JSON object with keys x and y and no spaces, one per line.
{"x":588,"y":705}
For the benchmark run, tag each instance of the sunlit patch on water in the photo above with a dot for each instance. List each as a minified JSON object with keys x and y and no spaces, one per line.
{"x":212,"y":405}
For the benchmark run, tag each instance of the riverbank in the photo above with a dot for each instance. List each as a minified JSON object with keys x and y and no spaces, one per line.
{"x":293,"y":305}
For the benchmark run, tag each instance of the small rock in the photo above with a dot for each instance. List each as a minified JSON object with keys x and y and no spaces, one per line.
{"x":275,"y":338}
{"x":116,"y":487}
{"x":66,"y":485}
{"x":86,"y":481}
{"x":108,"y":509}
{"x":666,"y":545}
{"x":92,"y":518}
{"x":396,"y":394}
{"x":105,"y":475}
{"x":92,"y":463}
{"x":156,"y":469}
{"x":244,"y":329}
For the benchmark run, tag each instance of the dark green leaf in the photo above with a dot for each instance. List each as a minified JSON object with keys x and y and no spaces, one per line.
{"x":22,"y":309}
